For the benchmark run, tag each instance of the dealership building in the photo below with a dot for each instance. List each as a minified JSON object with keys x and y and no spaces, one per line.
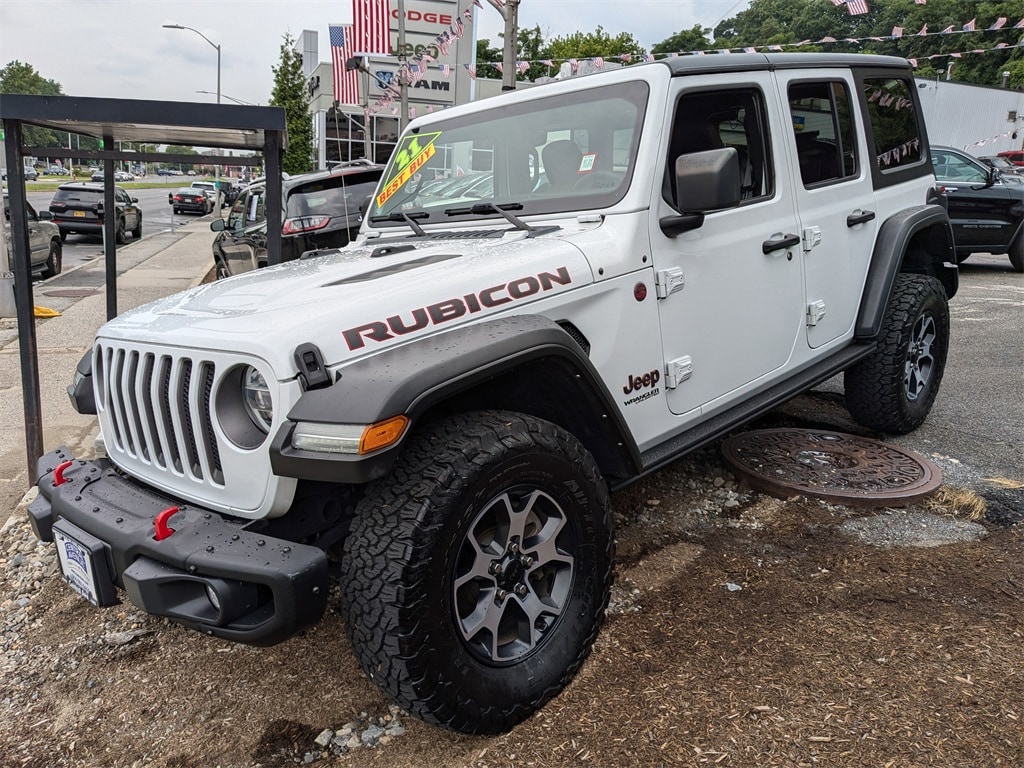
{"x":370,"y":128}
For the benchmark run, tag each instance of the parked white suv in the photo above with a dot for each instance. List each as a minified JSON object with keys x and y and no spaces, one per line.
{"x":662,"y":253}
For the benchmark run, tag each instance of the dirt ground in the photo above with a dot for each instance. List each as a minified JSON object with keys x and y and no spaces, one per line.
{"x":755,"y":635}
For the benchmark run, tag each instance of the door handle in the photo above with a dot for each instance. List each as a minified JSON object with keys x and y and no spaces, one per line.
{"x":859,"y":218}
{"x":786,"y":241}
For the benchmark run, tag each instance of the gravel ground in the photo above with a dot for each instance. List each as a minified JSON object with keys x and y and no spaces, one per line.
{"x":727,"y":608}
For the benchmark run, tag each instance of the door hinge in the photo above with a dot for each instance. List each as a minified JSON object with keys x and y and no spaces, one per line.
{"x":668,"y":281}
{"x":811,"y":237}
{"x":678,"y":371}
{"x":815,"y":312}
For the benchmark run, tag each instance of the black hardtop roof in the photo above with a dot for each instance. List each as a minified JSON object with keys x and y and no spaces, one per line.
{"x":745,"y":62}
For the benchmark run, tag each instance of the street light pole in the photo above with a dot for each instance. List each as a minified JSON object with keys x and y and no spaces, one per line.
{"x":216,"y":168}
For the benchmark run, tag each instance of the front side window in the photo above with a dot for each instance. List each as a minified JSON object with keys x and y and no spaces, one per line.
{"x":950,"y":166}
{"x":823,"y":129}
{"x":565,"y":153}
{"x":894,"y":123}
{"x":718,"y":119}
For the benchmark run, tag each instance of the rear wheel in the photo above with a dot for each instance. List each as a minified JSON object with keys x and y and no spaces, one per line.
{"x":476,"y":575}
{"x":55,"y":259}
{"x":137,"y":232}
{"x":893,"y":389}
{"x":1017,"y":253}
{"x":119,"y":232}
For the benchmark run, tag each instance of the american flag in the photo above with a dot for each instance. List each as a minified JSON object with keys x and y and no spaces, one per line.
{"x":969,"y":26}
{"x":547,"y":62}
{"x":1019,"y":24}
{"x":346,"y":84}
{"x":648,"y":57}
{"x":1000,"y":23}
{"x":897,"y":32}
{"x":372,"y":23}
{"x":499,"y":66}
{"x":948,"y":30}
{"x":446,"y":70}
{"x":924,"y":30}
{"x":921,"y":2}
{"x":857,"y":7}
{"x":837,"y":3}
{"x":523,"y":67}
{"x":471,"y":70}
{"x":599,"y":62}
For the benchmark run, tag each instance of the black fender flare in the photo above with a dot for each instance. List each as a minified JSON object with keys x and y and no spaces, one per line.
{"x":889,"y":258}
{"x":411,"y":378}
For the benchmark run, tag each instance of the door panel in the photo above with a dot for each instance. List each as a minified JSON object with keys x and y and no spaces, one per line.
{"x":827,"y":146}
{"x":739,"y":311}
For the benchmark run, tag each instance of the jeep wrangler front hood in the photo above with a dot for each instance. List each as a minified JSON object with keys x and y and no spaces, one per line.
{"x":358,"y":299}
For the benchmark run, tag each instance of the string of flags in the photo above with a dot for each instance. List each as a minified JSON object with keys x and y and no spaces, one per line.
{"x":413,"y":70}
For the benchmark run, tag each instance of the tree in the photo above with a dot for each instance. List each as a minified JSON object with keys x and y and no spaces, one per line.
{"x":582,"y":45}
{"x":19,"y":77}
{"x":290,"y":92}
{"x":694,"y":39}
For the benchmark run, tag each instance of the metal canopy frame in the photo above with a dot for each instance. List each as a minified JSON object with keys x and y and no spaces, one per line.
{"x":221,"y":126}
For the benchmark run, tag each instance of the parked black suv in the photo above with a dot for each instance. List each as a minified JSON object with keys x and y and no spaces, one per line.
{"x":78,"y":207}
{"x":321,"y":210}
{"x":986,"y":209}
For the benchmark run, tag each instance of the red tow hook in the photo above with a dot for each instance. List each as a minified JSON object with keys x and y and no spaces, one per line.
{"x":58,"y":473}
{"x":160,"y":523}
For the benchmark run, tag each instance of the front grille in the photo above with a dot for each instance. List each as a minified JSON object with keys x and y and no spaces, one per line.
{"x":157,"y":408}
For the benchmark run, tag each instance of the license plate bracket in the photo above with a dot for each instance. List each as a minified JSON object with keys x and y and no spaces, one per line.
{"x":84,"y":563}
{"x":79,"y":214}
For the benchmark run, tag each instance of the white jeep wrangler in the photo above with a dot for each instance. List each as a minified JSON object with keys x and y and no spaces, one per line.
{"x":554,"y":293}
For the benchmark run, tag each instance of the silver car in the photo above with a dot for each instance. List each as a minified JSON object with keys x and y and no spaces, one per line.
{"x":43,"y":239}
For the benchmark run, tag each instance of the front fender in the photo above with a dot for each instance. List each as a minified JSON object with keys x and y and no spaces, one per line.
{"x":412,"y":378}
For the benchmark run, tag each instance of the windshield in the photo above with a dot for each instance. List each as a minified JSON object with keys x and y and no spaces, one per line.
{"x":562,"y":153}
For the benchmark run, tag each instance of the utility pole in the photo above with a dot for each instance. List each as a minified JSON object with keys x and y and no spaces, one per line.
{"x":403,"y":117}
{"x":510,"y":12}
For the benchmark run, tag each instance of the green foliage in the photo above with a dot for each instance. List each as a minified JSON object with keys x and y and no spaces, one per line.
{"x":583,"y":45}
{"x":774,"y":22}
{"x":694,"y":39}
{"x":19,"y":77}
{"x":290,"y":92}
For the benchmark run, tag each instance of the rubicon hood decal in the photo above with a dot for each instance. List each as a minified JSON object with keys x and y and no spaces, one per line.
{"x":450,"y":309}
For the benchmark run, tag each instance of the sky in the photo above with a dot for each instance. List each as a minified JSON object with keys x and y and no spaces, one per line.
{"x":118,"y":48}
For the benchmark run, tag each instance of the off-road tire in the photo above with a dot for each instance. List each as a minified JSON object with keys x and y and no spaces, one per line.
{"x":418,"y":571}
{"x":55,"y":259}
{"x":893,"y":389}
{"x":137,"y":232}
{"x":119,"y":232}
{"x":1017,"y":253}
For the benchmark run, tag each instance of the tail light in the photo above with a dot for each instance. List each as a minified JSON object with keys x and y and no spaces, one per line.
{"x":56,"y":206}
{"x":304,"y":224}
{"x":177,"y":198}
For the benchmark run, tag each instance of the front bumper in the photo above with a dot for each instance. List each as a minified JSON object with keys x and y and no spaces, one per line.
{"x":264,"y":590}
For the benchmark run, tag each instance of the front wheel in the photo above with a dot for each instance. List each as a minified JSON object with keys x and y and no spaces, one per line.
{"x":137,"y":232}
{"x":475,"y":576}
{"x":893,"y":389}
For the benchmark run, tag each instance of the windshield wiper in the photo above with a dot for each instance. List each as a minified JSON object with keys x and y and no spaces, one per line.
{"x":408,"y":218}
{"x":503,"y":209}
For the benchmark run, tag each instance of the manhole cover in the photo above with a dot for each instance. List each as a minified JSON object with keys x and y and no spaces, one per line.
{"x":71,"y":293}
{"x":831,"y":465}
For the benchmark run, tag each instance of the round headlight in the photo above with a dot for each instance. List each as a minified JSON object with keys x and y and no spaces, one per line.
{"x":258,"y":402}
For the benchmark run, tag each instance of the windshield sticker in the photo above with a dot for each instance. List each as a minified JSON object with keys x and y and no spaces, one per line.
{"x":415,"y":151}
{"x":587,"y":162}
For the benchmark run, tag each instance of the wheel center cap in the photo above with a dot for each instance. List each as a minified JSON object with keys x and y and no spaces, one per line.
{"x":512,"y":573}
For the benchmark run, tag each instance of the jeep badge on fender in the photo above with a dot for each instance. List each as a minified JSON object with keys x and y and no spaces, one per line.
{"x":438,"y":402}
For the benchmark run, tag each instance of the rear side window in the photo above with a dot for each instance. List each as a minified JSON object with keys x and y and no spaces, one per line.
{"x":823,"y":129}
{"x":894,"y":123}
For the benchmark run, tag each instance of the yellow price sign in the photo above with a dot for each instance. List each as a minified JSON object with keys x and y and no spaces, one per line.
{"x":414,"y":153}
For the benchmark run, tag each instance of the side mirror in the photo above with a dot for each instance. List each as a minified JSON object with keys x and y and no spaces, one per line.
{"x":135,"y":199}
{"x":45,"y":216}
{"x":218,"y":225}
{"x":704,"y":182}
